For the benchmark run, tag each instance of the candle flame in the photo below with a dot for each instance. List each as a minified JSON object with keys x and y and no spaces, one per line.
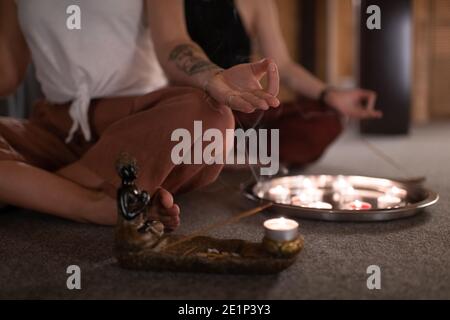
{"x":280,"y":224}
{"x":307,"y":183}
{"x":279,"y":190}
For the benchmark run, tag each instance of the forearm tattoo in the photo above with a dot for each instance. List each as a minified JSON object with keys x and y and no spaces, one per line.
{"x":188,"y":58}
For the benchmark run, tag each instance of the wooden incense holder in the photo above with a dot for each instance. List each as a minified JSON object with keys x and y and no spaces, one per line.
{"x":142,"y":244}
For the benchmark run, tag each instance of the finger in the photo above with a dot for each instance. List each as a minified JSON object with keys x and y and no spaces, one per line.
{"x":237,"y":103}
{"x":370,"y":98}
{"x":215,"y":105}
{"x":271,"y":100}
{"x":376,"y":114}
{"x":369,"y":114}
{"x":255,"y":101}
{"x":273,"y":79}
{"x":260,"y":68}
{"x":371,"y":106}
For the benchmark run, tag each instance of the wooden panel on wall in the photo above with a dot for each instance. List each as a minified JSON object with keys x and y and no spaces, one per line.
{"x":321,"y":39}
{"x":346,"y":39}
{"x":431,"y":97}
{"x":333,"y":36}
{"x":440,"y":77}
{"x":386,"y":65}
{"x":421,"y":82}
{"x":341,"y":35}
{"x":441,"y":10}
{"x":289,"y":14}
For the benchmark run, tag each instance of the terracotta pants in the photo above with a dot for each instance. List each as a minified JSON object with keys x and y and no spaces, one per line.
{"x":141,"y":126}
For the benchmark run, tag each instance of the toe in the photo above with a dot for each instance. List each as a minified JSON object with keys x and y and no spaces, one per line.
{"x":165,"y":198}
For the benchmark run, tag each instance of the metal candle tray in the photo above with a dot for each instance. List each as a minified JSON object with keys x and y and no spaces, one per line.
{"x":414,"y":197}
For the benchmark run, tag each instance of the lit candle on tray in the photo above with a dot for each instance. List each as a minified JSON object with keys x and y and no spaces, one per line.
{"x":307,"y":202}
{"x":343,"y":190}
{"x":388,"y":201}
{"x":391,"y":199}
{"x":319,"y":205}
{"x":396,"y":191}
{"x":308,"y":184}
{"x":358,"y":205}
{"x":348,"y":194}
{"x":341,"y":184}
{"x":308,"y":196}
{"x":280,"y":194}
{"x":308,"y":193}
{"x":345,"y":195}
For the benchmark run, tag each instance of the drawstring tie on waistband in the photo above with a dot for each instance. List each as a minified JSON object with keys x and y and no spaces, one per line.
{"x":79,"y":112}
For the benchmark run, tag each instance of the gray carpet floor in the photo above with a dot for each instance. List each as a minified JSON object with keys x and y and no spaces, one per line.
{"x":413,"y":254}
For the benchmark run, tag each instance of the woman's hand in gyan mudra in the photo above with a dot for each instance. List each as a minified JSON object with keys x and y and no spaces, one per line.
{"x":240,"y":86}
{"x":354,"y":103}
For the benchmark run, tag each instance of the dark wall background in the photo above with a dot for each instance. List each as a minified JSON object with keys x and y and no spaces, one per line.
{"x":386,"y":65}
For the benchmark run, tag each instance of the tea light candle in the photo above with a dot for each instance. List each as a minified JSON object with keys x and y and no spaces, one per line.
{"x":345,"y":195}
{"x":358,"y":205}
{"x":280,"y":194}
{"x":309,"y":195}
{"x":349,"y":194}
{"x":341,"y":184}
{"x":396,"y":191}
{"x":319,"y":205}
{"x":388,"y":201}
{"x":308,"y":184}
{"x":314,"y":204}
{"x":281,"y":229}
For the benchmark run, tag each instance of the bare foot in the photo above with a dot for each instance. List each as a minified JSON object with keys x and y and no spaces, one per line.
{"x":102,"y":210}
{"x":164,"y":209}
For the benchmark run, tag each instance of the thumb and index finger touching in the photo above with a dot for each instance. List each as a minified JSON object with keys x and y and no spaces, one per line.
{"x":269,"y":67}
{"x":370,"y":99}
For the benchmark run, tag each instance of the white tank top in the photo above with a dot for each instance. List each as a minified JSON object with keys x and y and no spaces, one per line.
{"x":111,"y":55}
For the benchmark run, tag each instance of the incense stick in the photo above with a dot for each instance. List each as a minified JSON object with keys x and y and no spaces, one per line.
{"x":386,"y":158}
{"x":229,"y":221}
{"x":252,"y":169}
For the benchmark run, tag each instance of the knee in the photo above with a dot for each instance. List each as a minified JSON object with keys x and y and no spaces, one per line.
{"x":210,"y":174}
{"x":212,"y":115}
{"x":223,"y":119}
{"x":205,"y":177}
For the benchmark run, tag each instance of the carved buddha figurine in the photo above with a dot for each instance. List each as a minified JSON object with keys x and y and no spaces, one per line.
{"x":134,"y":230}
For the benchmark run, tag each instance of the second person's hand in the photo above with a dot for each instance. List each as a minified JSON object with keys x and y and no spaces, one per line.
{"x":354,"y":103}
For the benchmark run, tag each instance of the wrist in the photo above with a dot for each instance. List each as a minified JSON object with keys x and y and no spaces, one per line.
{"x":326,"y":97}
{"x":206,"y":84}
{"x":323,"y":96}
